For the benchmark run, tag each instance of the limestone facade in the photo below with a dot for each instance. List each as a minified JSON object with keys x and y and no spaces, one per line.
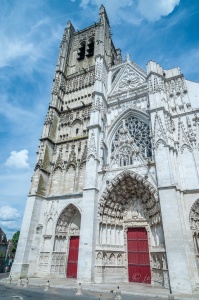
{"x":119,"y":150}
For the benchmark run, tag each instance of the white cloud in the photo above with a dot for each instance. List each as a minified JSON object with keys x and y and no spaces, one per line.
{"x":153,"y":10}
{"x":9,"y":220}
{"x":8,"y":213}
{"x":18,"y":160}
{"x":132,"y":11}
{"x":9,"y":225}
{"x":117,"y":10}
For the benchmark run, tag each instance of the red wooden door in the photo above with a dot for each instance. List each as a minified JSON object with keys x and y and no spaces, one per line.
{"x":73,"y":257}
{"x":138,"y":255}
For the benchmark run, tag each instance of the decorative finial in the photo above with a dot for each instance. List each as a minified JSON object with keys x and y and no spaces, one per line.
{"x":127,"y":57}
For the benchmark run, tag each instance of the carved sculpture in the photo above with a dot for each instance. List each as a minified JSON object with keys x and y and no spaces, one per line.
{"x":122,"y":191}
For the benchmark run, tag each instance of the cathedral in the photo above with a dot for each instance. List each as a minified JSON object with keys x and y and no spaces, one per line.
{"x":115,"y":192}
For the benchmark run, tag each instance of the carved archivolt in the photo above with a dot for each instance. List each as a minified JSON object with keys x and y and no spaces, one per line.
{"x":66,"y":220}
{"x":129,"y":196}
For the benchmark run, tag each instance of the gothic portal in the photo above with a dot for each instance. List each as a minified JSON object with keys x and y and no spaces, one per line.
{"x":114,"y":195}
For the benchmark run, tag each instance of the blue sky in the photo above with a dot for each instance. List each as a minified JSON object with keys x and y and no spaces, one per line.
{"x":165,"y":31}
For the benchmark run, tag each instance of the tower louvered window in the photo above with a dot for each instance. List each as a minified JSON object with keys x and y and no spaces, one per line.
{"x":90,"y":48}
{"x":81,"y":52}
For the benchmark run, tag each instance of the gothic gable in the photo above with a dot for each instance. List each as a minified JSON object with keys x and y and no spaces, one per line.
{"x":183,"y":136}
{"x":129,"y":78}
{"x":159,"y":131}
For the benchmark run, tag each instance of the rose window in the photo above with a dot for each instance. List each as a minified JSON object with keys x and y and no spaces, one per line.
{"x":139,"y":132}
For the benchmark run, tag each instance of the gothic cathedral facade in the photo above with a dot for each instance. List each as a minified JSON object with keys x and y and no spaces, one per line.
{"x":115,"y":191}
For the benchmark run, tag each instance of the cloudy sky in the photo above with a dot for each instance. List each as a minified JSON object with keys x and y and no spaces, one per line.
{"x":30,"y":33}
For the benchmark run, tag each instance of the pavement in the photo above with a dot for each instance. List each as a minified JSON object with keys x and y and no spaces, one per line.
{"x":133,"y":289}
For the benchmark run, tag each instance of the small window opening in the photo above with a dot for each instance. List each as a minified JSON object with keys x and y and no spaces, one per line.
{"x":77,"y":130}
{"x":81,"y":52}
{"x":112,"y":60}
{"x":90,"y":48}
{"x":61,"y":108}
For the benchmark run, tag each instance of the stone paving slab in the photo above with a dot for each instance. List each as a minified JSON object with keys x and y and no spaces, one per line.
{"x":152,"y":292}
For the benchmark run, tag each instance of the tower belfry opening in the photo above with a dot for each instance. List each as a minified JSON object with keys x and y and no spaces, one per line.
{"x":82,"y":51}
{"x":114,"y":194}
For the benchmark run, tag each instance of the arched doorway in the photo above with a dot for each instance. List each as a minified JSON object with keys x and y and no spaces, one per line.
{"x":66,"y":244}
{"x":130,"y":239}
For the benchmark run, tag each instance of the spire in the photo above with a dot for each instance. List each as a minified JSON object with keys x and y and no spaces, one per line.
{"x":70,"y":25}
{"x":102,"y":9}
{"x":103,"y":15}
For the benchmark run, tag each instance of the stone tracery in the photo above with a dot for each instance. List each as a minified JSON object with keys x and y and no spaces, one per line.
{"x":130,"y":80}
{"x":125,"y":152}
{"x":139,"y":132}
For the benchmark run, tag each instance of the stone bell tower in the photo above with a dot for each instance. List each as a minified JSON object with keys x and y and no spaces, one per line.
{"x":68,"y":158}
{"x":65,"y":133}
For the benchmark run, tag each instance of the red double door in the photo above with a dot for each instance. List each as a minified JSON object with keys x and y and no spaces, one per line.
{"x":71,"y":271}
{"x":138,"y":255}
